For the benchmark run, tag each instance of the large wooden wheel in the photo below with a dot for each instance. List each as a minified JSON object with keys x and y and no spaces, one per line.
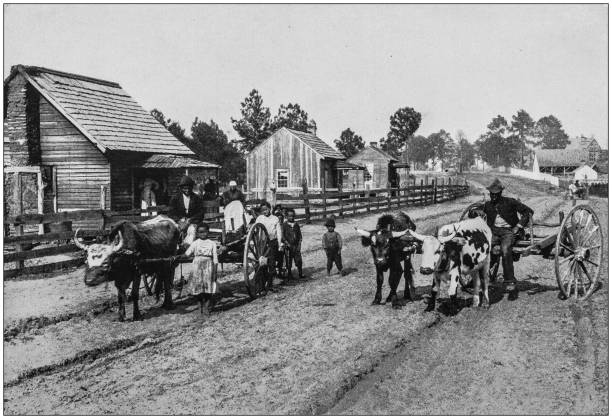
{"x":255,"y":262}
{"x":579,"y":253}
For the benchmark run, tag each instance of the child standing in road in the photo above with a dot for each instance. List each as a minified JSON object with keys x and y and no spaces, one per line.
{"x":292,"y":237}
{"x":332,"y":244}
{"x":203,"y":283}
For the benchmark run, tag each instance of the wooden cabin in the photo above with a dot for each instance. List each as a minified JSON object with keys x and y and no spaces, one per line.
{"x":84,"y":143}
{"x":288,"y":158}
{"x":382,"y":169}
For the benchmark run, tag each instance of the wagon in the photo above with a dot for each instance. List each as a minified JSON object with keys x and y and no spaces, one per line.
{"x":240,"y":242}
{"x":576,"y":246}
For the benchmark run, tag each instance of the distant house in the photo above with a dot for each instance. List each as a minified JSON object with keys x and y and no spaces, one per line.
{"x":559,"y":162}
{"x":87,"y":143}
{"x":288,"y":158}
{"x":381,"y":168}
{"x":585,"y":172}
{"x":588,"y":145}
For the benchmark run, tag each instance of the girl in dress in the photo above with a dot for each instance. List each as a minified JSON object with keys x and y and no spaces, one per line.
{"x":203,"y":283}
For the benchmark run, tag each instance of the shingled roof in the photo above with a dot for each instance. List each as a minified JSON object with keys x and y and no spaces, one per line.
{"x":383,"y":153}
{"x":102,"y":111}
{"x":561,"y":157}
{"x":317,"y":144}
{"x":168,"y":161}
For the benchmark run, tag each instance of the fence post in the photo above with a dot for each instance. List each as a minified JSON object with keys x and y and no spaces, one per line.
{"x":435,"y":190}
{"x":368,"y":198}
{"x":306,"y":203}
{"x":398,"y":197}
{"x":355,"y":203}
{"x":388,"y":198}
{"x":341,"y":214}
{"x":421,"y":195}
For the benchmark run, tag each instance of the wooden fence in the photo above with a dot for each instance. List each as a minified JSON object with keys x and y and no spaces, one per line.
{"x":30,"y":248}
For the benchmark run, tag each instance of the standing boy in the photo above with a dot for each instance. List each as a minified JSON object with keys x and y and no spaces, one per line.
{"x":292,"y":237}
{"x":275,"y":237}
{"x":332,"y":244}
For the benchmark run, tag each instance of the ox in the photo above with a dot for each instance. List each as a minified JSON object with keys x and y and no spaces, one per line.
{"x":119,"y":259}
{"x":459,"y":249}
{"x":390,"y":245}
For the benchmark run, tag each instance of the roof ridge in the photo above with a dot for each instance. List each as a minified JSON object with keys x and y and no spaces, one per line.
{"x":69,"y":75}
{"x":384,"y":153}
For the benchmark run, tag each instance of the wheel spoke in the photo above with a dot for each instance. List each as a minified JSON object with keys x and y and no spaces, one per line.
{"x":591,"y":234}
{"x":594,"y":247}
{"x":586,"y":272}
{"x":567,"y":259}
{"x":567,"y":248}
{"x":253,"y":249}
{"x":592,"y":263}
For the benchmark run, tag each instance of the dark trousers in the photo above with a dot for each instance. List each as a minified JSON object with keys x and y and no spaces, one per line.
{"x":333,"y":255}
{"x":272,"y":260}
{"x":503,"y":236}
{"x":294,"y":254}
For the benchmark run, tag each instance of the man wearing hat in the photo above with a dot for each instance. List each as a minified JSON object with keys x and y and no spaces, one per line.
{"x":503,"y":218}
{"x":233,"y":194}
{"x":186,"y":208}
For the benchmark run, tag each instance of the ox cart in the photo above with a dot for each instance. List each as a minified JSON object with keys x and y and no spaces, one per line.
{"x":576,"y":246}
{"x":239,"y":241}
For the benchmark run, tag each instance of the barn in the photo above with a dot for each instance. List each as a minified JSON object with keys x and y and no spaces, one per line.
{"x":75,"y":142}
{"x":559,"y":162}
{"x":381,"y":168}
{"x":289,"y":158}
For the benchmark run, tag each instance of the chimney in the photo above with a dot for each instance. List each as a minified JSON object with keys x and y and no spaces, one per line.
{"x":373,"y":143}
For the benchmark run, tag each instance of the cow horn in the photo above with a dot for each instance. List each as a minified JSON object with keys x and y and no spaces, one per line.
{"x":419,"y":237}
{"x":397,"y":234}
{"x":78,"y":241}
{"x":119,"y":245}
{"x":449,"y":237}
{"x":362,"y":233}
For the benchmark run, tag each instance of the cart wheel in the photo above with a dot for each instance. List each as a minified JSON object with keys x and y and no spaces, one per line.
{"x":579,"y":252}
{"x":255,"y":247}
{"x":478,"y":207}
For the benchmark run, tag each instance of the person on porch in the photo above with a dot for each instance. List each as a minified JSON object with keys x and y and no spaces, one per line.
{"x":187,"y":209}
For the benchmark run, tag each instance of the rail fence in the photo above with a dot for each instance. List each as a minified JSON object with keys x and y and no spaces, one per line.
{"x":30,"y":253}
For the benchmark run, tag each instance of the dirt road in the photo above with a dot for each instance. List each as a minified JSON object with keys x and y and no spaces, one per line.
{"x":538,"y":355}
{"x":297,"y":351}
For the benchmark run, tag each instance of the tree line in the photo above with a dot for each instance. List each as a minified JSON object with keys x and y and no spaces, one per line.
{"x":503,"y":143}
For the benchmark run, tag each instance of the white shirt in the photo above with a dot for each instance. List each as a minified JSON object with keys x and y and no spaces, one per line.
{"x":500,"y":222}
{"x":207,"y":248}
{"x":272,"y":225}
{"x":186,"y":200}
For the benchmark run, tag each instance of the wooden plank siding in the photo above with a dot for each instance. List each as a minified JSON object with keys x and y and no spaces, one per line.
{"x":380,"y":177}
{"x":283,"y":150}
{"x":80,"y":167}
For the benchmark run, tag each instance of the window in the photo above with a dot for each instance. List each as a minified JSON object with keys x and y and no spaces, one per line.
{"x":282,"y":178}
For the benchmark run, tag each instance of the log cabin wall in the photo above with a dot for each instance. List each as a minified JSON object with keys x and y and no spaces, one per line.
{"x":79,"y":166}
{"x":283,"y":151}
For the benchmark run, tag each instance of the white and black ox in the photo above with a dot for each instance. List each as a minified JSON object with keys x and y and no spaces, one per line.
{"x":119,"y":259}
{"x":461,"y":248}
{"x":391,"y":245}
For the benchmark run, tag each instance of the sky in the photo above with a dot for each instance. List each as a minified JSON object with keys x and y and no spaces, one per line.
{"x":346,"y":65}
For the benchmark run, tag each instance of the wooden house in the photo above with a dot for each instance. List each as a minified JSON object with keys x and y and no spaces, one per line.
{"x":288,"y":158}
{"x":588,"y":145}
{"x":559,"y":162}
{"x":88,"y":144}
{"x":382,"y":169}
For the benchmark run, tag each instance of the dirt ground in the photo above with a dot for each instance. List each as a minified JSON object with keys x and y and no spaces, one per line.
{"x":315,"y":346}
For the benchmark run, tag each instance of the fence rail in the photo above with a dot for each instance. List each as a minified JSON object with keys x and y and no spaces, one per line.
{"x":33,"y":248}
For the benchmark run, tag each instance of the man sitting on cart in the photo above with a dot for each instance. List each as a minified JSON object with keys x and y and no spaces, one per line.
{"x":187,"y":209}
{"x":502,"y":217}
{"x":275,"y":235}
